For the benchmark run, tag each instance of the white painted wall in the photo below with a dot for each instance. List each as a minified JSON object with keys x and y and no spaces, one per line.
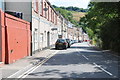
{"x":43,"y":26}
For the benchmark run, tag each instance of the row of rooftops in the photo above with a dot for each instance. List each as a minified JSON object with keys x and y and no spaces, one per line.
{"x":58,"y":13}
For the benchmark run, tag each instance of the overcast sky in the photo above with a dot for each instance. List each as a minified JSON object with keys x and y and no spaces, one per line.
{"x":75,"y":3}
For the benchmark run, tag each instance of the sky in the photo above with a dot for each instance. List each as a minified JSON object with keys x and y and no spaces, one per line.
{"x":66,"y":3}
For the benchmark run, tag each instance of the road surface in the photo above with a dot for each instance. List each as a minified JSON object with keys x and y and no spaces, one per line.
{"x":79,"y":61}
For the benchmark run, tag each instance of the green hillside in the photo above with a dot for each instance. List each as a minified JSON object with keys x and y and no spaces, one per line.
{"x":78,"y":15}
{"x":71,"y":15}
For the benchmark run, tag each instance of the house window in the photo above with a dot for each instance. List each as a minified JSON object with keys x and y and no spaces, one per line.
{"x":56,"y":19}
{"x":36,"y":6}
{"x":48,"y":12}
{"x":40,"y":7}
{"x":51,"y":15}
{"x":44,"y":10}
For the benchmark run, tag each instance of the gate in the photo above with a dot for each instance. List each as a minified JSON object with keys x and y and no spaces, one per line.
{"x":17,"y":38}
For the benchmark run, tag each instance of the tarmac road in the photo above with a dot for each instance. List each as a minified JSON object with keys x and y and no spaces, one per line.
{"x":79,"y":61}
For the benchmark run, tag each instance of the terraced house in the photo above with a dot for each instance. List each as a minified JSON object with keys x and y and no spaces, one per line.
{"x":44,"y":25}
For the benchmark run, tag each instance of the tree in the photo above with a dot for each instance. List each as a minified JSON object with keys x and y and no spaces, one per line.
{"x":102,"y":22}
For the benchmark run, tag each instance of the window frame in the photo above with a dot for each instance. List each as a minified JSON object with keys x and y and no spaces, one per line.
{"x":35,"y":7}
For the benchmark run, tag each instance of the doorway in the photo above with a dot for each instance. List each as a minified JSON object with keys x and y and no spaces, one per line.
{"x":48,"y":39}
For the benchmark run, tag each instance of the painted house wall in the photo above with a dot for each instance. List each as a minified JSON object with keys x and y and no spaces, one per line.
{"x":80,"y":34}
{"x":42,"y":23}
{"x":70,"y":33}
{"x":59,"y":24}
{"x":64,"y":25}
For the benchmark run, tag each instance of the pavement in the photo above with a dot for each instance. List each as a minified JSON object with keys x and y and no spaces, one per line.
{"x":22,"y":65}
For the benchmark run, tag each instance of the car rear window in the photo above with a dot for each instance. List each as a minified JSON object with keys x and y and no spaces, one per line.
{"x":67,"y":40}
{"x":60,"y":40}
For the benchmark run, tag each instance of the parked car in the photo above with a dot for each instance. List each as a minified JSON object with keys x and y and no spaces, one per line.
{"x":85,"y":40}
{"x":61,"y":44}
{"x":69,"y":42}
{"x":80,"y":41}
{"x":75,"y":41}
{"x":72,"y":41}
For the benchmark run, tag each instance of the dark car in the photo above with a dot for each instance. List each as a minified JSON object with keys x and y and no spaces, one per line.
{"x":61,"y":44}
{"x":72,"y":41}
{"x":80,"y":41}
{"x":69,"y":42}
{"x":75,"y":41}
